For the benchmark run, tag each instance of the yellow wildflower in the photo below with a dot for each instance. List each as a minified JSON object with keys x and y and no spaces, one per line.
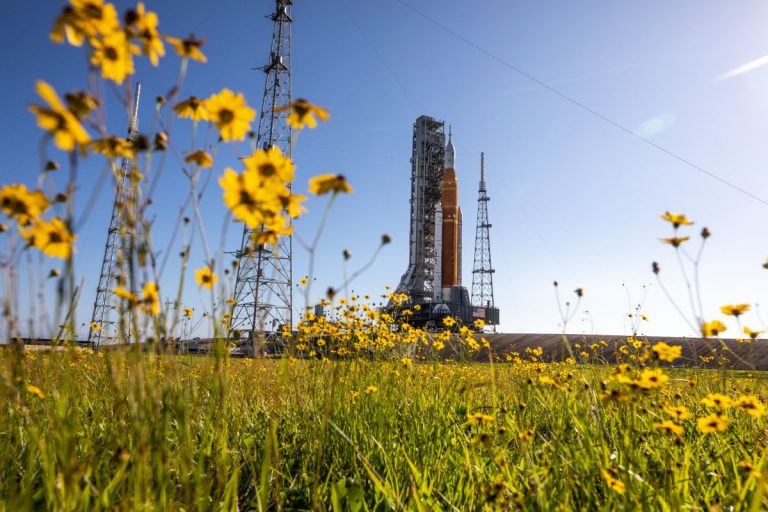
{"x":675,"y":241}
{"x":752,"y":334}
{"x":449,"y":321}
{"x":677,"y":219}
{"x":142,"y":24}
{"x":36,"y":391}
{"x":205,"y":277}
{"x":84,"y":18}
{"x":114,"y":55}
{"x":713,"y":328}
{"x":668,"y":427}
{"x":188,"y":312}
{"x":200,"y":158}
{"x":188,"y":48}
{"x":479,"y":323}
{"x":667,"y":352}
{"x":231,"y":115}
{"x":478,"y":418}
{"x":679,"y":412}
{"x":614,"y":395}
{"x":58,"y":120}
{"x":244,"y":195}
{"x":734,"y":309}
{"x":95,"y":327}
{"x":371,"y":390}
{"x":53,"y":238}
{"x":125,"y":294}
{"x":270,"y":165}
{"x":150,"y":298}
{"x":613,"y":483}
{"x":713,"y":423}
{"x":303,"y":114}
{"x":653,"y":378}
{"x":192,"y":108}
{"x":303,"y":281}
{"x":113,"y":147}
{"x":750,"y":404}
{"x":22,"y":204}
{"x":748,"y":467}
{"x":325,"y":183}
{"x":717,"y":400}
{"x":81,"y":104}
{"x":272,"y":229}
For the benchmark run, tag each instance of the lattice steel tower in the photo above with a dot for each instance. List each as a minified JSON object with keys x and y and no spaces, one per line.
{"x":263,"y":291}
{"x":104,"y":308}
{"x":482,"y":270}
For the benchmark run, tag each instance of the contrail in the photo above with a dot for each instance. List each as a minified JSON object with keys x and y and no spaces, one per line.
{"x":746,"y":68}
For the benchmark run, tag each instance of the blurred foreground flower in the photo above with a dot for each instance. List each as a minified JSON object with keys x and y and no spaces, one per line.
{"x":200,"y":158}
{"x":53,"y":238}
{"x":150,"y":298}
{"x":303,"y":114}
{"x":58,"y":120}
{"x":192,"y":108}
{"x":713,"y":328}
{"x":231,"y":115}
{"x":114,"y":55}
{"x":113,"y":147}
{"x":22,"y":204}
{"x":205,"y":277}
{"x":677,"y":219}
{"x":142,"y":24}
{"x":713,"y":423}
{"x":188,"y":48}
{"x":84,"y":18}
{"x":325,"y":183}
{"x":666,"y":352}
{"x":675,"y":241}
{"x":735,"y":309}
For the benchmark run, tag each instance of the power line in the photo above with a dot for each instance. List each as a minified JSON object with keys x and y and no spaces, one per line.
{"x":579,"y":104}
{"x":207,"y":16}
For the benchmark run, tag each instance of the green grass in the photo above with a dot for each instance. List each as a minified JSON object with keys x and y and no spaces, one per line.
{"x":132,"y":431}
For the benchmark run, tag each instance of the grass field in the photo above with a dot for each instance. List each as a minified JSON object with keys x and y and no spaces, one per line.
{"x":83,"y":430}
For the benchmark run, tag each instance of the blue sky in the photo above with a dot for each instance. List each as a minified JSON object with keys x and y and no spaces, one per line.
{"x":574,"y":198}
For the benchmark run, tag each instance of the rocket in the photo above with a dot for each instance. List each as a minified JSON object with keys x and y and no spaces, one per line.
{"x":448,"y":226}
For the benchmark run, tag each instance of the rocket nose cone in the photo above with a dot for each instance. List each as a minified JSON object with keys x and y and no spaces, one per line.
{"x":450,"y":154}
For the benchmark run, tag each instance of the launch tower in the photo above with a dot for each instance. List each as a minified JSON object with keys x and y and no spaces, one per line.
{"x":427,"y":164}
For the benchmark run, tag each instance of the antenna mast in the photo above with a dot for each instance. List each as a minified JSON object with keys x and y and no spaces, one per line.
{"x":482,"y":271}
{"x":104,"y":326}
{"x":263,"y":301}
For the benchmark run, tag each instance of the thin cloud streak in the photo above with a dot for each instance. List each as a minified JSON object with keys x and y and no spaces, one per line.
{"x":745,"y":68}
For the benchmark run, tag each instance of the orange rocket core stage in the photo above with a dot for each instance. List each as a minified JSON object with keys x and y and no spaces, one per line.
{"x":449,"y":199}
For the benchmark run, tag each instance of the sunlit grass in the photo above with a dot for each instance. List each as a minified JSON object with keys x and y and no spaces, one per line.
{"x":82,"y":430}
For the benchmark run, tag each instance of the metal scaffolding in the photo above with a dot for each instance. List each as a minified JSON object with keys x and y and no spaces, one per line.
{"x":104,"y":325}
{"x":427,"y":165}
{"x":263,"y":286}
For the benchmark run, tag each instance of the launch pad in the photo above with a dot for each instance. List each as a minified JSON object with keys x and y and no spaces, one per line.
{"x":433,"y":280}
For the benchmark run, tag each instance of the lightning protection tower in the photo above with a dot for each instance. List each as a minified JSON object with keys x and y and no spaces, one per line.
{"x":104,"y":324}
{"x":263,"y":294}
{"x":482,"y":270}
